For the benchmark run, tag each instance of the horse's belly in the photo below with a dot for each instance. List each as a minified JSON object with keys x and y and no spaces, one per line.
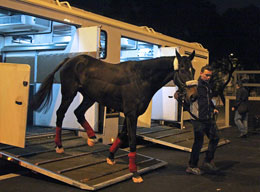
{"x":106,"y":96}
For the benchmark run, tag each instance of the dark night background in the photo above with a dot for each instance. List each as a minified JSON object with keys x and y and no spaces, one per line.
{"x":220,"y":27}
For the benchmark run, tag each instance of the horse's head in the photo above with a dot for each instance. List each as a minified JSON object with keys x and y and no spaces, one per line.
{"x":184,"y":78}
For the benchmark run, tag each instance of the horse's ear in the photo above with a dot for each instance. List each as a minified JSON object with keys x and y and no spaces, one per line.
{"x":178,"y":55}
{"x":192,"y":55}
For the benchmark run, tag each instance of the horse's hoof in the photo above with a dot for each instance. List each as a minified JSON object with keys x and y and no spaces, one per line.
{"x":59,"y":150}
{"x":110,"y":161}
{"x":137,"y":179}
{"x":92,"y":142}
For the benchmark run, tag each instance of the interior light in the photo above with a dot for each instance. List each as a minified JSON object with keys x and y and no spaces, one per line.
{"x":67,"y":20}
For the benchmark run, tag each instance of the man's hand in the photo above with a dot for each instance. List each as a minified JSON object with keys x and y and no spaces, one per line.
{"x":216,"y":111}
{"x":176,"y":95}
{"x":233,"y":109}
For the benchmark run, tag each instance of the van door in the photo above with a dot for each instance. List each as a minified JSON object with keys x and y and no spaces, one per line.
{"x":14,"y":91}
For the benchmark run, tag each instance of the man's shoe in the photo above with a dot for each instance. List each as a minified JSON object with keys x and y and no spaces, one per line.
{"x":209,"y":166}
{"x":194,"y":171}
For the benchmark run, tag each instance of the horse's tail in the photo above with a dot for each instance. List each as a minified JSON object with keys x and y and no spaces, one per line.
{"x":42,"y":99}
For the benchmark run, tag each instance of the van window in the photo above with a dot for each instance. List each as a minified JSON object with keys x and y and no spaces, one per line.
{"x":136,"y":50}
{"x":103,"y":45}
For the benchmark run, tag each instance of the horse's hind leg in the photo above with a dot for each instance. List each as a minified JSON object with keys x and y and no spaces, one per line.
{"x":80,"y":114}
{"x":117,"y":143}
{"x":65,"y":103}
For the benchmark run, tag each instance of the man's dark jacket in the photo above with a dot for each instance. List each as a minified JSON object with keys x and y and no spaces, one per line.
{"x":241,"y":97}
{"x":205,"y":104}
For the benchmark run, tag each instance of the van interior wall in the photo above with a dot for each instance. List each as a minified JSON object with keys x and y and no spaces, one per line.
{"x":23,"y":60}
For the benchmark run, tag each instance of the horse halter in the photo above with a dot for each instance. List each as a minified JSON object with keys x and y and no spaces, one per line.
{"x":182,"y":84}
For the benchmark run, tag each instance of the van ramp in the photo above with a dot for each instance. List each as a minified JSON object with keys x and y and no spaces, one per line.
{"x":181,"y":139}
{"x":81,"y":166}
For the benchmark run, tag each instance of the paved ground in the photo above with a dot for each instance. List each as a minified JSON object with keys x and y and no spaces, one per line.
{"x":239,"y":164}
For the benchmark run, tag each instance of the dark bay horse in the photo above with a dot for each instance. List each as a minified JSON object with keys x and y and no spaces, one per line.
{"x":127,"y":87}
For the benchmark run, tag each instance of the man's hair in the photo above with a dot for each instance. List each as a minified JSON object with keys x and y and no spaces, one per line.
{"x":206,"y":67}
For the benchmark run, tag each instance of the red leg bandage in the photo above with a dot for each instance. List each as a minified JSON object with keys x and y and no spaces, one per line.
{"x":88,"y":129}
{"x":132,"y":165}
{"x":58,"y":136}
{"x":115,"y":145}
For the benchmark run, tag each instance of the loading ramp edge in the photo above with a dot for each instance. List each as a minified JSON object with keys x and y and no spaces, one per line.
{"x":168,"y":144}
{"x":178,"y":146}
{"x":129,"y":175}
{"x":75,"y":183}
{"x":44,"y":171}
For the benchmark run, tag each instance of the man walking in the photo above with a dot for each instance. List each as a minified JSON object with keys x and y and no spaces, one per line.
{"x":203,"y":122}
{"x":241,"y":109}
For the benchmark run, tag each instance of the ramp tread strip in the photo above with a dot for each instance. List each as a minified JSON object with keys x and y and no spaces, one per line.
{"x":157,"y":128}
{"x":45,"y":151}
{"x":165,"y":136}
{"x":162,"y":130}
{"x":69,"y":157}
{"x":112,"y":172}
{"x":32,"y":144}
{"x":20,"y":150}
{"x":41,"y":136}
{"x":187,"y":139}
{"x":168,"y":135}
{"x":87,"y":164}
{"x":7,"y":147}
{"x":49,"y":142}
{"x":161,"y":134}
{"x":140,"y":129}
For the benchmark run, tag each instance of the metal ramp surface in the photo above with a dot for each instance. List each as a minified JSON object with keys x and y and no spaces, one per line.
{"x":81,"y":166}
{"x":173,"y":137}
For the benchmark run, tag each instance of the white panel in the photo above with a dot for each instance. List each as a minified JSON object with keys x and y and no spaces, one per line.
{"x":163,"y":107}
{"x":144,"y":120}
{"x":14,"y":90}
{"x":168,"y":51}
{"x":86,"y":39}
{"x":70,"y":120}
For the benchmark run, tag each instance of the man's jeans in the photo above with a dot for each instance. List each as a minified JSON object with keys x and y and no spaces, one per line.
{"x":241,"y":122}
{"x":200,"y":128}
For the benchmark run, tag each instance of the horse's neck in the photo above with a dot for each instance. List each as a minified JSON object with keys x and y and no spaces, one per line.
{"x":159,"y":72}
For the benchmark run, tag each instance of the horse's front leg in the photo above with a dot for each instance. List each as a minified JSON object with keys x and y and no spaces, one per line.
{"x":58,"y":147}
{"x":116,"y":145}
{"x":131,"y":128}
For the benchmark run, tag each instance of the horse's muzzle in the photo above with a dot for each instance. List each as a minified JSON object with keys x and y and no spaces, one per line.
{"x":191,"y":91}
{"x":191,"y":83}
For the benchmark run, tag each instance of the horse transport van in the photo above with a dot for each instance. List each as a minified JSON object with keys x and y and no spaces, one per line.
{"x":41,"y":33}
